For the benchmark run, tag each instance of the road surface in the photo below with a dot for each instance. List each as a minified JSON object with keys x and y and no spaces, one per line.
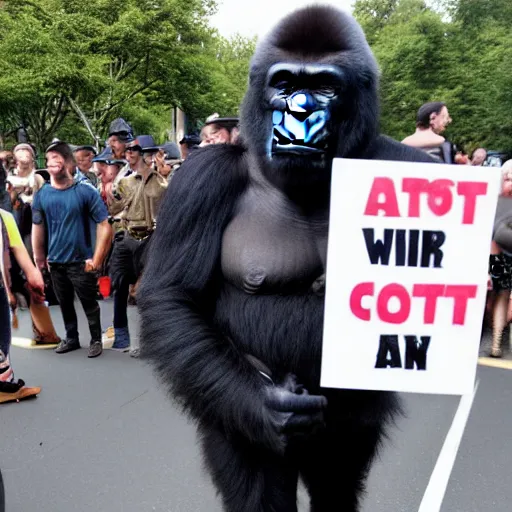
{"x":103,"y":437}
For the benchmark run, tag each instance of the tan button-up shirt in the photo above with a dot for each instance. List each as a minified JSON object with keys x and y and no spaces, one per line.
{"x":138,"y":200}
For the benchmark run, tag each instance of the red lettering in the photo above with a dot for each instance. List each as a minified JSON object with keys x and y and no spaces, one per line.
{"x":440,"y":199}
{"x":430,"y":292}
{"x":470,"y":190}
{"x":460,"y":294}
{"x":388,"y":292}
{"x":389,"y":205}
{"x":414,"y":187}
{"x":360,"y":291}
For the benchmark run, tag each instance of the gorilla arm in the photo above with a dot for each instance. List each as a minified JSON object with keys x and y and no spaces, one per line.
{"x":200,"y":368}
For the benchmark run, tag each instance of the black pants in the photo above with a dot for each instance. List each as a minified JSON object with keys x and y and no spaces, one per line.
{"x":67,"y":279}
{"x":126,"y":265}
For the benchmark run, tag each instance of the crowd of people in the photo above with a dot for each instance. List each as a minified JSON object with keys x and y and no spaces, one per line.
{"x":88,"y":217}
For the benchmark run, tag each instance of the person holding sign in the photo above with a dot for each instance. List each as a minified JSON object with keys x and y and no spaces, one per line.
{"x":232,"y":297}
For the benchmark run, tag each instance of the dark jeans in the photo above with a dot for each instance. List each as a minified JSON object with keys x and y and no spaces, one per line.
{"x":121,"y":294}
{"x":68,"y":278}
{"x":126,"y":265}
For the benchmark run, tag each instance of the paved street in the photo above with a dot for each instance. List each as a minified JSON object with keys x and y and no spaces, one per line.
{"x":102,"y":436}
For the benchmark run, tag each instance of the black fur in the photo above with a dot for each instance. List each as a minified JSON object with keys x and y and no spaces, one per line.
{"x":198,"y":328}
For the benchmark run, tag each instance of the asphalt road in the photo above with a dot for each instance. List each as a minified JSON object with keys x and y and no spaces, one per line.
{"x":103,"y":437}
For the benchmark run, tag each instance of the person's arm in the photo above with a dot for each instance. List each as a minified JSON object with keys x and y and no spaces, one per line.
{"x":495,"y":248}
{"x":38,"y":232}
{"x":34,"y":277}
{"x":104,"y":235}
{"x":38,"y":245}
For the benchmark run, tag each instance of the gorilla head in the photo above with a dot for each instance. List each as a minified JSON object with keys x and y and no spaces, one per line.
{"x":312,"y":96}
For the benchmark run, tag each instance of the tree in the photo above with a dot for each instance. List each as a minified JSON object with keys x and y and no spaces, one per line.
{"x":373,"y":15}
{"x":67,"y":61}
{"x":456,"y":51}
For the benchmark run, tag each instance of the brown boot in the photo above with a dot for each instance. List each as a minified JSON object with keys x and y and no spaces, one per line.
{"x":16,"y":391}
{"x":496,"y":346}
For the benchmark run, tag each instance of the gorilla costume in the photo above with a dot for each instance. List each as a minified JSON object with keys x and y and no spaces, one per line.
{"x":232,"y":298}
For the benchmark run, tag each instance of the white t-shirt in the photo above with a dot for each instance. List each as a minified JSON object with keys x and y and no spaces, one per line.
{"x":21,"y":183}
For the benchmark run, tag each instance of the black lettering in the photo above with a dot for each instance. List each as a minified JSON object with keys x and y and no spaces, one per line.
{"x":388,"y":344}
{"x":431,"y":243}
{"x":378,"y":251}
{"x":416,"y":352}
{"x":412,"y":257}
{"x":400,"y":247}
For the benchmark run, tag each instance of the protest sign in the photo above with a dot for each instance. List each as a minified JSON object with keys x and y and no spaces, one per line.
{"x":407,"y":268}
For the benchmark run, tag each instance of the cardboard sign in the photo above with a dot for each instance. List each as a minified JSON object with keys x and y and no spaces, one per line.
{"x":407,"y":268}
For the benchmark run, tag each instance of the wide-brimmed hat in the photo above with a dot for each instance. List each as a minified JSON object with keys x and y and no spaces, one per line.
{"x":225,"y":122}
{"x":105,"y":156}
{"x":191,"y":140}
{"x":144,"y":143}
{"x":171,"y":150}
{"x":121,"y":129}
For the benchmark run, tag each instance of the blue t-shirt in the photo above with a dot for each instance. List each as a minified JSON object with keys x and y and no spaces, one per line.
{"x":70,"y":216}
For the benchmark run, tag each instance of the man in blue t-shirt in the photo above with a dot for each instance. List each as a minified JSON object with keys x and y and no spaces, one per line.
{"x":71,"y":220}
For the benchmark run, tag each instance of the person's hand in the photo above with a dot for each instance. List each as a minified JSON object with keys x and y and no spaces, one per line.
{"x":293,"y":412}
{"x":489,"y":283}
{"x":160,"y":157}
{"x":90,"y":266}
{"x":35,"y":281}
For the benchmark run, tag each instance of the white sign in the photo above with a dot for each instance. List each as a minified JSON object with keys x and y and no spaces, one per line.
{"x":407,"y":268}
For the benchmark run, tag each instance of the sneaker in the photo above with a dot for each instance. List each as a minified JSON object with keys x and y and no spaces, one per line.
{"x":16,"y":391}
{"x":135,"y":353}
{"x":122,"y":339}
{"x":108,"y":338}
{"x":95,"y":349}
{"x":67,"y":346}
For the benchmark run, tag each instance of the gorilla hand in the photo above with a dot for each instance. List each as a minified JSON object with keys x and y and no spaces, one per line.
{"x":294,"y":413}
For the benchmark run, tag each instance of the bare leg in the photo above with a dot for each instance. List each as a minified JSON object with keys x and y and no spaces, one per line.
{"x":499,"y":321}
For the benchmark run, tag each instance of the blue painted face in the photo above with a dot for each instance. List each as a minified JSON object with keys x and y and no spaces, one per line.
{"x":301,"y":107}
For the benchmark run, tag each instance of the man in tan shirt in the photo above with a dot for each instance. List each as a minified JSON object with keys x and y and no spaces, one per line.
{"x":137,"y":199}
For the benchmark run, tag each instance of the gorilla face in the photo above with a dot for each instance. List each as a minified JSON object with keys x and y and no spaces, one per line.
{"x":312,"y":97}
{"x":302,"y":98}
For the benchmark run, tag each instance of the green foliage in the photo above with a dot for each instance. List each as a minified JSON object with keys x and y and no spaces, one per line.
{"x":455,"y":51}
{"x":66,"y":60}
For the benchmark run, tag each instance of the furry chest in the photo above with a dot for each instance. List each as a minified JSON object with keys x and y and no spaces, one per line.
{"x":264,"y":255}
